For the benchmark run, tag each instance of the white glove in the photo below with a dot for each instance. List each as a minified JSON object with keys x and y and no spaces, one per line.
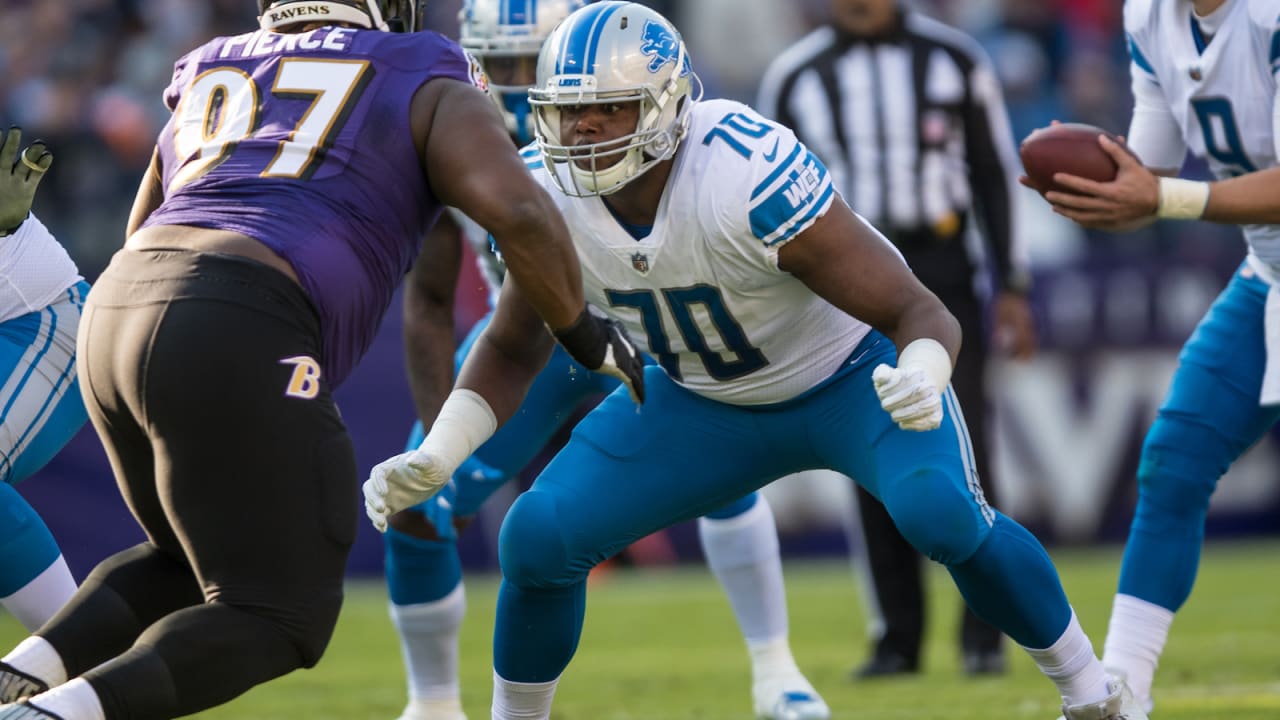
{"x":402,"y":482}
{"x":910,"y":397}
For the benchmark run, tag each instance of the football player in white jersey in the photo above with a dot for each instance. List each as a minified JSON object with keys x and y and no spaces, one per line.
{"x":788,"y":335}
{"x":423,"y":570}
{"x":1204,"y":76}
{"x":41,"y":294}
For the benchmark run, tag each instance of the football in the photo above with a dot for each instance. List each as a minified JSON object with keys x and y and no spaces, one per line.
{"x":1070,"y":148}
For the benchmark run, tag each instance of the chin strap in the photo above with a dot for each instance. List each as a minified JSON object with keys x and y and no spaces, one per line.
{"x":282,"y":14}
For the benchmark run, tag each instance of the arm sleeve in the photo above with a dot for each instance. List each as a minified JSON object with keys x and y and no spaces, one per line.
{"x":992,"y":172}
{"x":1153,"y":132}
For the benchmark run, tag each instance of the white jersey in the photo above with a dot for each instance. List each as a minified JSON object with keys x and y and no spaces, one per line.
{"x":1221,"y":93}
{"x":34,"y":270}
{"x":702,"y":292}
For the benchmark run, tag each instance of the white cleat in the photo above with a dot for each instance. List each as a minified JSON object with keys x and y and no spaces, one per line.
{"x":1146,"y":702}
{"x":792,"y":698}
{"x":1119,"y":705}
{"x":433,"y":710}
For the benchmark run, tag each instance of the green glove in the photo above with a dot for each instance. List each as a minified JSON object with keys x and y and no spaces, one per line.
{"x":19,"y":176}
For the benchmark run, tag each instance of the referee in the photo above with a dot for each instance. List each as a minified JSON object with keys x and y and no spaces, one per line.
{"x":906,"y":113}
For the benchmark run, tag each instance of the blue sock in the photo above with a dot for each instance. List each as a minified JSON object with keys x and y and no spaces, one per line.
{"x":1011,"y":583}
{"x":537,"y":630}
{"x":418,"y":570}
{"x":27,"y":548}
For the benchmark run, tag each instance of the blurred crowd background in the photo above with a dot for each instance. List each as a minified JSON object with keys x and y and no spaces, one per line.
{"x":87,"y":75}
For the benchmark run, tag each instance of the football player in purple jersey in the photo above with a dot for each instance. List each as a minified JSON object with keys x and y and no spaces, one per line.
{"x":287,"y":197}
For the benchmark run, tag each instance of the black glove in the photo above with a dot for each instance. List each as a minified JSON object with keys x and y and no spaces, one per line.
{"x":602,"y":345}
{"x":19,"y":177}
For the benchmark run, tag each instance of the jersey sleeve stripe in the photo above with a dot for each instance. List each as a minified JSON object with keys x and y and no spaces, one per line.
{"x":1138,"y":58}
{"x":800,"y":224}
{"x":532,"y":158}
{"x":1275,"y":48}
{"x":793,"y":203}
{"x":777,"y":172}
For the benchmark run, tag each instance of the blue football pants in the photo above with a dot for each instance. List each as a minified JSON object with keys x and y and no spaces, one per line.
{"x":629,"y":471}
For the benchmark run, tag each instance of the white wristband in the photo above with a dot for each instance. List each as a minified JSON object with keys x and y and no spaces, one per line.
{"x":928,"y":355}
{"x":1182,"y":199}
{"x":465,"y":422}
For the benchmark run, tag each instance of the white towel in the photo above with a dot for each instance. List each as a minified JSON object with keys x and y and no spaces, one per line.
{"x":1270,"y":394}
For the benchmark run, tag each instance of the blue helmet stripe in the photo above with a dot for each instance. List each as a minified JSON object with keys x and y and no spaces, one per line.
{"x":581,"y":39}
{"x":518,"y":12}
{"x":595,"y":36}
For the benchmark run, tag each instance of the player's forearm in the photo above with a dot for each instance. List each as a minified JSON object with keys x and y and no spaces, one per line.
{"x":503,"y":375}
{"x":1250,"y":199}
{"x":429,"y":348}
{"x":927,"y":317}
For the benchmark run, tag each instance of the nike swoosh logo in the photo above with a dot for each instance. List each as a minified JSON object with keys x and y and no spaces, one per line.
{"x":773,"y":152}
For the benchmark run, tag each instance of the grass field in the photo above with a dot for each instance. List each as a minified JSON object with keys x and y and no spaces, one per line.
{"x":662,"y":645}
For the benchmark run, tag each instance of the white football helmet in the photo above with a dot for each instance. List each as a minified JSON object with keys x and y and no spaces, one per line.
{"x":613,"y":52}
{"x":505,"y":36}
{"x":386,"y":15}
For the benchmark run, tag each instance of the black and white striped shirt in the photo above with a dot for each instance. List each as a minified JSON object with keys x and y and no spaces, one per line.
{"x":913,"y":129}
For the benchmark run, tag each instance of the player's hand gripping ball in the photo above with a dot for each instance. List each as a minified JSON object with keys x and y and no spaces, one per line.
{"x":1066,"y":148}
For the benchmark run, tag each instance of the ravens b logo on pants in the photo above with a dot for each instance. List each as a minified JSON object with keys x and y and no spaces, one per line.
{"x":304,"y":382}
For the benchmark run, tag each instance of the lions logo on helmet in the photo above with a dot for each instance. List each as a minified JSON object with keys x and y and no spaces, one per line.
{"x":613,"y":52}
{"x":505,"y":36}
{"x":385,"y":15}
{"x":662,"y":45}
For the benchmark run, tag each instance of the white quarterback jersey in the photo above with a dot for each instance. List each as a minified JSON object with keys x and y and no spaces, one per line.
{"x":1219,"y":90}
{"x":34,"y":270}
{"x":702,"y":292}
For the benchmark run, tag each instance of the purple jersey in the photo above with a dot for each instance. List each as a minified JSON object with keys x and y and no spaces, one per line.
{"x":302,"y":141}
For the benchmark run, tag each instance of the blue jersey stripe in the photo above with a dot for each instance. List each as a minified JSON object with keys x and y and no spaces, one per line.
{"x":60,"y":388}
{"x":1138,"y":58}
{"x":781,"y":168}
{"x":803,"y":222}
{"x":1275,"y":47}
{"x":1197,"y":34}
{"x":532,"y":157}
{"x":779,"y":212}
{"x":48,"y":335}
{"x":31,"y":368}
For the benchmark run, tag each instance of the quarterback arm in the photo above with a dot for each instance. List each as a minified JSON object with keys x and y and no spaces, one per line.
{"x":150,"y":195}
{"x":428,"y":317}
{"x":844,"y":260}
{"x":1138,"y":195}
